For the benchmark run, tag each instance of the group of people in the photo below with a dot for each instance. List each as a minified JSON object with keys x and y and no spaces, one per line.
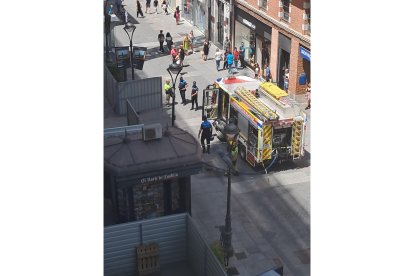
{"x":182,"y":87}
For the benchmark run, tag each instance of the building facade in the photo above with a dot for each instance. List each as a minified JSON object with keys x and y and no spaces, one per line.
{"x":273,"y":32}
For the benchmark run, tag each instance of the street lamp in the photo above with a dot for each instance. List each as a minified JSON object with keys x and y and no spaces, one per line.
{"x":129,"y":29}
{"x":174,"y":69}
{"x":231,"y":131}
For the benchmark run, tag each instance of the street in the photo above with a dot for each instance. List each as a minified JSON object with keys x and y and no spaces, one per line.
{"x":270,"y":212}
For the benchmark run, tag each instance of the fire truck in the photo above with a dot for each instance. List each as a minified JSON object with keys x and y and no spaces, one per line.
{"x":271,"y":124}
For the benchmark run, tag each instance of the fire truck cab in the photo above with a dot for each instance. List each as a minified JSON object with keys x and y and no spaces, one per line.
{"x":271,"y":125}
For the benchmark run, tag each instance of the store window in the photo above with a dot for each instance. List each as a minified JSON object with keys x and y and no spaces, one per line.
{"x":247,"y":36}
{"x":285,"y":9}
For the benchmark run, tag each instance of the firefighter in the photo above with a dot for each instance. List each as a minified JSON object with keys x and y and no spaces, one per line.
{"x":234,"y":151}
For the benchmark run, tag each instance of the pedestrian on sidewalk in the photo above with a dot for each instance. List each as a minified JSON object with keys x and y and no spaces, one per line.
{"x":230,"y":59}
{"x":161,"y":39}
{"x":286,"y":80}
{"x":118,"y":4}
{"x":111,"y":10}
{"x":164,"y":6}
{"x":156,"y":6}
{"x":218,"y":56}
{"x":225,"y":64}
{"x":169,"y":41}
{"x":227,"y":44}
{"x":236,"y":55}
{"x":182,"y":86}
{"x":186,"y":44}
{"x":125,"y":15}
{"x":308,"y":95}
{"x":206,"y":131}
{"x":148,"y":6}
{"x":181,"y":55}
{"x":194,"y":96}
{"x":139,"y":9}
{"x":177,"y":15}
{"x":241,"y":53}
{"x":174,"y":54}
{"x":256,"y":70}
{"x":192,"y":38}
{"x":168,"y":92}
{"x":268,"y":75}
{"x":206,"y":47}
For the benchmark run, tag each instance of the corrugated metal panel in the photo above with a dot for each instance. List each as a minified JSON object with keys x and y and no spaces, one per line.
{"x":143,"y":94}
{"x":201,"y":258}
{"x":178,"y":240}
{"x":110,"y":87}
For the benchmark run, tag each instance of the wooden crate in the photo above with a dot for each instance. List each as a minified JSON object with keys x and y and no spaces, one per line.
{"x":148,"y":259}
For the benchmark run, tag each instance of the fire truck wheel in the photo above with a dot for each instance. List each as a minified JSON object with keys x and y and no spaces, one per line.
{"x":242,"y":151}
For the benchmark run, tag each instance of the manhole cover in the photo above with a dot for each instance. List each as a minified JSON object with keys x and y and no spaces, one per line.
{"x":303,"y":255}
{"x":240,"y":255}
{"x":232,"y":271}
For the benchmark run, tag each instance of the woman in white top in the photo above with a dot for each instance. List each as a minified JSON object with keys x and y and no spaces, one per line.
{"x":218,"y":57}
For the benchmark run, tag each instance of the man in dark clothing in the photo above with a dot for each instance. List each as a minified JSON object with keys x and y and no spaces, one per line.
{"x":161,"y":39}
{"x":241,"y":55}
{"x":194,"y":94}
{"x":206,"y":130}
{"x":182,"y":86}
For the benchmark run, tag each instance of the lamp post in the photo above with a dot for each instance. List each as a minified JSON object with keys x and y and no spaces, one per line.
{"x":130,"y":29}
{"x":231,"y":131}
{"x":174,"y":69}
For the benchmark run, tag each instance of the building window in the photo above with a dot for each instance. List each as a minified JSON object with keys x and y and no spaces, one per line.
{"x":263,"y":4}
{"x":307,"y":21}
{"x":285,"y":10}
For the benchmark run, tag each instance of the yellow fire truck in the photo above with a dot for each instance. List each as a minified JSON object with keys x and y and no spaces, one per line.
{"x":271,"y":125}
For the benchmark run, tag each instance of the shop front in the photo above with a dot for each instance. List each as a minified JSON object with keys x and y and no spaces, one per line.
{"x":304,"y":65}
{"x":284,"y":50}
{"x":195,"y":12}
{"x":255,"y":36}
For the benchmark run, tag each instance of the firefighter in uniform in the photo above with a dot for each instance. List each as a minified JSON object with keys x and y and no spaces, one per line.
{"x":234,"y":151}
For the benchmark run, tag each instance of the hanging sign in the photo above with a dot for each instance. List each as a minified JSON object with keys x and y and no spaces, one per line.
{"x":122,"y":57}
{"x":304,"y":53}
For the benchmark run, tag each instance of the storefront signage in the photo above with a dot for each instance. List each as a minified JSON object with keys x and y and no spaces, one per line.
{"x":122,"y":57}
{"x":304,"y":53}
{"x":158,"y":178}
{"x":249,"y":24}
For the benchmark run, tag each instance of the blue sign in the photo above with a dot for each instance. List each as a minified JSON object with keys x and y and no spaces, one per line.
{"x":304,"y":53}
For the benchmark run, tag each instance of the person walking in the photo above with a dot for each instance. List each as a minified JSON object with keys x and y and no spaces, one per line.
{"x":169,"y":41}
{"x":186,"y":44}
{"x":241,"y":54}
{"x":164,"y":6}
{"x":192,"y":38}
{"x":206,"y":47}
{"x":308,"y":95}
{"x":218,"y":56}
{"x":156,"y":6}
{"x":236,"y":55}
{"x":168,"y":92}
{"x":227,"y":44}
{"x":161,"y":39}
{"x":256,"y":71}
{"x":181,"y":54}
{"x":174,"y":54}
{"x":177,"y":15}
{"x":125,"y":15}
{"x":268,"y":75}
{"x":139,"y":9}
{"x":225,"y":64}
{"x":182,"y":86}
{"x":230,"y":59}
{"x":286,"y":80}
{"x":194,"y":94}
{"x":206,"y":131}
{"x":147,"y":6}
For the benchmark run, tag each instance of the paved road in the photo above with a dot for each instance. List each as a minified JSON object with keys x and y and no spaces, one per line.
{"x":270,"y":213}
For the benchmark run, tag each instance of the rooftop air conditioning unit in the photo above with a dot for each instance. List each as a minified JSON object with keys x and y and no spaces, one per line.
{"x":152,"y":132}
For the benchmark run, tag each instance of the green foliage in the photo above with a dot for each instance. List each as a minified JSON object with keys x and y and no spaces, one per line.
{"x":115,"y":71}
{"x":218,"y":252}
